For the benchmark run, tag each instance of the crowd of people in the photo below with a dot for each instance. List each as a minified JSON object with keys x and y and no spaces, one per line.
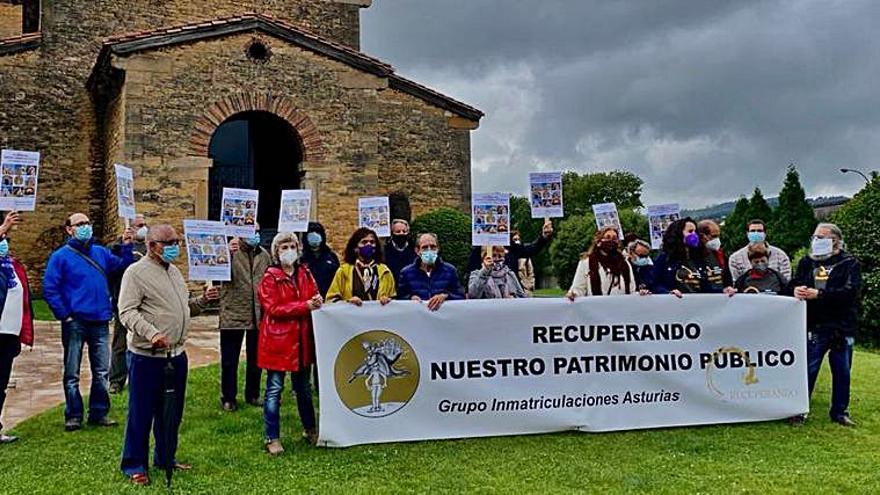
{"x":266,"y":307}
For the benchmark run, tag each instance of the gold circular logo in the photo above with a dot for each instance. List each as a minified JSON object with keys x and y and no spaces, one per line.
{"x":376,"y":373}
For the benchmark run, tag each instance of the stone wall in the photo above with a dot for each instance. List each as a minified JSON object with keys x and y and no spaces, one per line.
{"x":10,"y":19}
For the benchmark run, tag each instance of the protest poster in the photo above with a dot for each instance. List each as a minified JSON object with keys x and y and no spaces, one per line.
{"x":19,"y":174}
{"x":607,"y":216}
{"x":125,"y":192}
{"x":490,"y":221}
{"x":659,"y":218}
{"x":545,"y":194}
{"x":239,"y":211}
{"x":522,"y":366}
{"x":296,"y":206}
{"x":374,"y":213}
{"x":207,"y":250}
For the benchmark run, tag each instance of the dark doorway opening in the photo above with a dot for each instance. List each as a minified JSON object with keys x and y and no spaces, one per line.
{"x":255,"y":150}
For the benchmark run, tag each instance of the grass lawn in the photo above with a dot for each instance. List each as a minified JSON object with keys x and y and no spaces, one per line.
{"x":226,"y":450}
{"x":42,"y":311}
{"x":555,"y":292}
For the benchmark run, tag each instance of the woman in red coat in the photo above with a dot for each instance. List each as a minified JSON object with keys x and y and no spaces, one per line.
{"x":288,"y":294}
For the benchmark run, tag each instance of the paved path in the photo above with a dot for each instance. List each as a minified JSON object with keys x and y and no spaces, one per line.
{"x":37,"y":374}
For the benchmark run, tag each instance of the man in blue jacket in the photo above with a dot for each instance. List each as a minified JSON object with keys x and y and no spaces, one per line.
{"x":77,"y":290}
{"x":429,"y":278}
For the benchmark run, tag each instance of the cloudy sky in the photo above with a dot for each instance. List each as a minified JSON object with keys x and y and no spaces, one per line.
{"x":703,"y":99}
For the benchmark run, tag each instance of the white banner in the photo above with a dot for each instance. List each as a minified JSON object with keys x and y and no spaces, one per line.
{"x":19,"y":174}
{"x":509,"y":367}
{"x":125,"y":192}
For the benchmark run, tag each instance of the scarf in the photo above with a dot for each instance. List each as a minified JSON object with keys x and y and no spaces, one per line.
{"x":365,"y":283}
{"x":614,"y":265}
{"x":498,"y":283}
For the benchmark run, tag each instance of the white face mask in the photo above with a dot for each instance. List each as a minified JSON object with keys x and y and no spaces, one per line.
{"x":821,"y":248}
{"x":141,"y":233}
{"x":289,"y":257}
{"x":714,"y":244}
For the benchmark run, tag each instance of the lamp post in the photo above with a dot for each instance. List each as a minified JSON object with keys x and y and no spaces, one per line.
{"x":846,"y":170}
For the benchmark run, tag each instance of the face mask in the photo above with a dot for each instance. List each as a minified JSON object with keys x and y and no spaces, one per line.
{"x":141,"y":233}
{"x":692,"y":240}
{"x":367,"y":252}
{"x":761,"y":267}
{"x":714,"y":244}
{"x":517,"y":242}
{"x":756,"y":237}
{"x":497,"y":264}
{"x":4,"y":248}
{"x":400,"y":239}
{"x":314,"y":239}
{"x":646,"y":261}
{"x":253,"y":241}
{"x":608,"y":245}
{"x":170,"y":253}
{"x":289,"y":257}
{"x":821,"y":248}
{"x":429,"y":257}
{"x":82,"y":232}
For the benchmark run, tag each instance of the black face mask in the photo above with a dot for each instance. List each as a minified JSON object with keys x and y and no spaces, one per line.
{"x":400,"y":240}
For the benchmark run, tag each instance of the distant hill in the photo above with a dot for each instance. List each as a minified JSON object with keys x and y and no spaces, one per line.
{"x":721,"y":210}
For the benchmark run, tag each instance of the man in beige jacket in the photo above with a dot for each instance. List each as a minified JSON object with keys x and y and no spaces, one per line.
{"x":155,"y":307}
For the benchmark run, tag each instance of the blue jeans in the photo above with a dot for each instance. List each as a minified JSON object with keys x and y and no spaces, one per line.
{"x":95,"y":334}
{"x":840,"y":358}
{"x":146,"y":376}
{"x":272,"y":402}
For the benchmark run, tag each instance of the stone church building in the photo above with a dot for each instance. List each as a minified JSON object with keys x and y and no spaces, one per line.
{"x":196,"y":95}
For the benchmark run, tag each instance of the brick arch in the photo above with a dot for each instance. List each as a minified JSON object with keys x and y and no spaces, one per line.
{"x":282,"y":106}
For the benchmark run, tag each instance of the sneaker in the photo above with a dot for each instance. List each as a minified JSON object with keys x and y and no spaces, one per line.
{"x":798,"y":420}
{"x":115,"y":388}
{"x":105,"y":421}
{"x":844,"y":420}
{"x":230,"y":406}
{"x":311,"y":436}
{"x":73,"y":424}
{"x":274,"y":447}
{"x":7,"y":439}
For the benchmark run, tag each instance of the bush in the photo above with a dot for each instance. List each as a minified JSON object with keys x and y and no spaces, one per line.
{"x":574,"y":235}
{"x":860,"y":223}
{"x":454,"y":230}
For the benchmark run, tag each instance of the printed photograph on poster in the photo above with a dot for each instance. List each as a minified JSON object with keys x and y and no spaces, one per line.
{"x":659,"y":218}
{"x":490,"y":221}
{"x":207,"y":250}
{"x":19,"y":173}
{"x":296,"y":205}
{"x":239,"y":211}
{"x":374,"y":213}
{"x":607,"y":216}
{"x":125,"y":192}
{"x":545,"y":194}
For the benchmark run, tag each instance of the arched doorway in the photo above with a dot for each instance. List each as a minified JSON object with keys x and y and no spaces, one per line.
{"x":255,"y":150}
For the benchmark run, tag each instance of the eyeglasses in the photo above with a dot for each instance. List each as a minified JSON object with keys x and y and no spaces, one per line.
{"x":170,"y":242}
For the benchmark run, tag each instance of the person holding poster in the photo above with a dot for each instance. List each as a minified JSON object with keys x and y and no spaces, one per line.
{"x":603,"y":270}
{"x":76,"y":287}
{"x":494,"y":280}
{"x":830,"y":280}
{"x":155,"y":306}
{"x":362,"y":276}
{"x":288,"y":295}
{"x":686,"y":266}
{"x":429,"y":278}
{"x":17,"y":320}
{"x":239,"y":315}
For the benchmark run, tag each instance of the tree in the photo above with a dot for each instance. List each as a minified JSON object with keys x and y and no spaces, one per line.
{"x":581,"y":192}
{"x":794,"y":221}
{"x":454,"y":230}
{"x":733,"y":231}
{"x":759,"y":208}
{"x":860,"y":224}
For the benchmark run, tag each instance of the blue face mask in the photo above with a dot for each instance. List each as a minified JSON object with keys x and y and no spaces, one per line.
{"x":646,"y":261}
{"x":4,"y":248}
{"x":82,"y":233}
{"x":429,"y":257}
{"x":170,"y":253}
{"x":314,"y":239}
{"x":253,"y":241}
{"x":756,"y":237}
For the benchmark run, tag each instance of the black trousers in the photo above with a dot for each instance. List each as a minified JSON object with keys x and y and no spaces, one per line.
{"x":230,"y":350}
{"x":9,"y":349}
{"x":118,"y":348}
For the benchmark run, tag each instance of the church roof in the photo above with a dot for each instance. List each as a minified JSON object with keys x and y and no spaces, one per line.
{"x":129,"y":43}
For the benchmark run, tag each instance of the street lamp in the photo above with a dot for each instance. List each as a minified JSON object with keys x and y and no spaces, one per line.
{"x":845,"y":170}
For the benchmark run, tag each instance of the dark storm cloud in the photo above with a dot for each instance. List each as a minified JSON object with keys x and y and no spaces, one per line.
{"x":703,"y":99}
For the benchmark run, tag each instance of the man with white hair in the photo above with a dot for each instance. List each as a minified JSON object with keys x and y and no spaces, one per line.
{"x":829,"y":279}
{"x":155,"y":307}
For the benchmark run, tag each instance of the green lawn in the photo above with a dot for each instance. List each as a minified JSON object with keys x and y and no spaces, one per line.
{"x":227,"y":452}
{"x":555,"y":292}
{"x":42,"y":311}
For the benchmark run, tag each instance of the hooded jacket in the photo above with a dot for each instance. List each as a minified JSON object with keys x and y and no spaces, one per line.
{"x":324,"y":263}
